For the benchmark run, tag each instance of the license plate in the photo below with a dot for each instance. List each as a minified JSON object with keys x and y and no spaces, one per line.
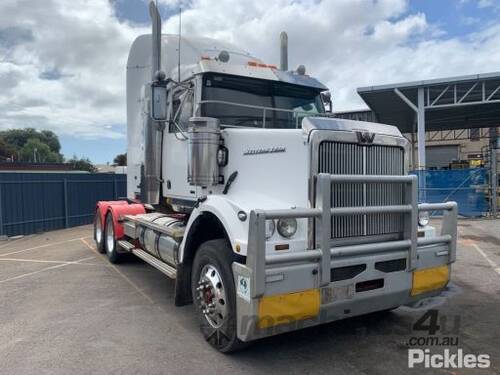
{"x":331,"y":294}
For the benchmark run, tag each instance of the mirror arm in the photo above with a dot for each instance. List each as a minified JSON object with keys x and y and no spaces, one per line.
{"x":176,"y":115}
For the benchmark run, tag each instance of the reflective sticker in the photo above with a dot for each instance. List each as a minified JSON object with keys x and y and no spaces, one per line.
{"x":428,"y":279}
{"x":288,"y":308}
{"x":244,"y":287}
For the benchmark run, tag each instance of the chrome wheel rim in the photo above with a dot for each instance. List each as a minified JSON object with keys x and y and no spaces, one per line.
{"x":98,"y":228}
{"x":211,"y":296}
{"x":110,"y":237}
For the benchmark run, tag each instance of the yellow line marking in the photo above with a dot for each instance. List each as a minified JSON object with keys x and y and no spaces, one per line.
{"x":466,"y":242}
{"x":491,"y":263}
{"x":43,"y":270}
{"x":130,"y":282}
{"x":89,"y":246}
{"x":41,"y":246}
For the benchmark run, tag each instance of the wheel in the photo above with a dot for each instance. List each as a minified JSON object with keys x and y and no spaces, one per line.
{"x":98,"y":233}
{"x":110,"y":242}
{"x":214,"y":296}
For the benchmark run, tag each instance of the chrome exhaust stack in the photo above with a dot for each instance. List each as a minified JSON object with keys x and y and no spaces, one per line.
{"x":283,"y":51}
{"x":151,"y":173}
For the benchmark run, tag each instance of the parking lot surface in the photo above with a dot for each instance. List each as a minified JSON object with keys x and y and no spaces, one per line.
{"x":65,"y":310}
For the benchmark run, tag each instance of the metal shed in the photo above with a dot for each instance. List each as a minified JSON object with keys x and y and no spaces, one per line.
{"x":439,"y":104}
{"x":446,"y":104}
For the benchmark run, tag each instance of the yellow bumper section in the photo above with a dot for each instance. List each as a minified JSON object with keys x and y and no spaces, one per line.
{"x":288,"y":308}
{"x":430,"y":279}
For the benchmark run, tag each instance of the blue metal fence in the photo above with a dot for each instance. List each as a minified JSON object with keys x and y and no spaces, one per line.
{"x":38,"y":202}
{"x":468,"y":187}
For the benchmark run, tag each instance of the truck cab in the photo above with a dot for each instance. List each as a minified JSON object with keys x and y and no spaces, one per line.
{"x":270,"y":213}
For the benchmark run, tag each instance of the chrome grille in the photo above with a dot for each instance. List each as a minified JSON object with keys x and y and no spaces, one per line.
{"x":347,"y":158}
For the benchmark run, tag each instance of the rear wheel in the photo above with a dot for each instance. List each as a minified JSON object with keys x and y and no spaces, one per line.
{"x":109,"y":240}
{"x":99,"y":233}
{"x":214,"y":295}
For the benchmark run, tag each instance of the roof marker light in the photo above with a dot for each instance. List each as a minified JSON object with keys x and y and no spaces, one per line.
{"x":261,"y":65}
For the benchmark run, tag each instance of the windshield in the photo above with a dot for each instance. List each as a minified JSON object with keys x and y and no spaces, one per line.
{"x":251,"y":93}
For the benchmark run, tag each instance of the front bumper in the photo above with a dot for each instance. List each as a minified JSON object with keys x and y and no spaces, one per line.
{"x":337,"y":300}
{"x":280,"y":293}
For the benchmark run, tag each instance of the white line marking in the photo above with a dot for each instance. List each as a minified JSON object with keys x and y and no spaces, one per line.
{"x":9,"y":242}
{"x":42,"y":270}
{"x":492,"y":264}
{"x":41,"y":246}
{"x":46,"y":261}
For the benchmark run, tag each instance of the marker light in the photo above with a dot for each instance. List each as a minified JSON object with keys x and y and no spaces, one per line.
{"x":257,"y":64}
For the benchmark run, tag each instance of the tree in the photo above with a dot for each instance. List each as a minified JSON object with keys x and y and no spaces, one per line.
{"x":18,"y":138}
{"x":35,"y":151}
{"x":51,"y":139}
{"x":82,"y":164}
{"x":6,"y":150}
{"x":120,"y":160}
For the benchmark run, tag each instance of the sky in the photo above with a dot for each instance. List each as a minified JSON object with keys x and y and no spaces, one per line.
{"x":62,"y":63}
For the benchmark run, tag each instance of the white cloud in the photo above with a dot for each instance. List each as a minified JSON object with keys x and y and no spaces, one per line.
{"x":62,"y":64}
{"x":485,"y":3}
{"x":346,"y":43}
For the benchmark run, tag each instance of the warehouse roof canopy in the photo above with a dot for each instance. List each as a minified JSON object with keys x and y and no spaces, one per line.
{"x":450,"y":103}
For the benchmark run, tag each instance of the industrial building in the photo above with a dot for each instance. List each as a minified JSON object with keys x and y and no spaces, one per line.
{"x":452,"y":123}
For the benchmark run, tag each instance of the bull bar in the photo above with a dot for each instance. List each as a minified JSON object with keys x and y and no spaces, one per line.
{"x":257,"y":259}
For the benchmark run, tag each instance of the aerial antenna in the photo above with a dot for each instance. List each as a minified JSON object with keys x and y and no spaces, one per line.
{"x":179,"y":45}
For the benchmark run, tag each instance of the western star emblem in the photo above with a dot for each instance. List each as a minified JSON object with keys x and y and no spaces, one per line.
{"x":365,"y":137}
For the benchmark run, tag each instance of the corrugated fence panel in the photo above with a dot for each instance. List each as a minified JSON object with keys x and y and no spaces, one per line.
{"x":468,"y":187}
{"x":39,"y":202}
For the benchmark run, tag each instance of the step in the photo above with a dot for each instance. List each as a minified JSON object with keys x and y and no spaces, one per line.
{"x":156,"y":263}
{"x":125,"y":245}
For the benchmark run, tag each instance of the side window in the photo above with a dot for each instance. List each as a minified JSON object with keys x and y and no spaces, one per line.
{"x":184,"y":100}
{"x":187,"y":109}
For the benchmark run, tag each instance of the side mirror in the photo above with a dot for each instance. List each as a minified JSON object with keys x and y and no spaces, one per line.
{"x":326,"y":97}
{"x":158,"y":102}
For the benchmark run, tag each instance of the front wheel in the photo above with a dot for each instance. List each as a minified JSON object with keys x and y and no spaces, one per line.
{"x":214,"y":296}
{"x":110,"y":242}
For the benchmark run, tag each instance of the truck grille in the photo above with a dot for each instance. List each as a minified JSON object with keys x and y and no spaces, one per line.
{"x":347,"y":158}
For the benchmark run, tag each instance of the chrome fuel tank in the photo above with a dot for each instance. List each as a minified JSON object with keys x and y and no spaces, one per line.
{"x":160,"y":244}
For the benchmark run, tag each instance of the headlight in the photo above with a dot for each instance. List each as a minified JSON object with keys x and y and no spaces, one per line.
{"x":423,"y":219}
{"x":287,"y":227}
{"x":270,"y":228}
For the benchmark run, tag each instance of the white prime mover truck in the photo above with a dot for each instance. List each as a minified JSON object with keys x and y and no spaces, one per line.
{"x":270,"y":214}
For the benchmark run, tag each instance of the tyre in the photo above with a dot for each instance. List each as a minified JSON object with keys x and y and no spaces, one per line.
{"x":110,"y":244}
{"x":214,"y":296}
{"x":98,"y":233}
